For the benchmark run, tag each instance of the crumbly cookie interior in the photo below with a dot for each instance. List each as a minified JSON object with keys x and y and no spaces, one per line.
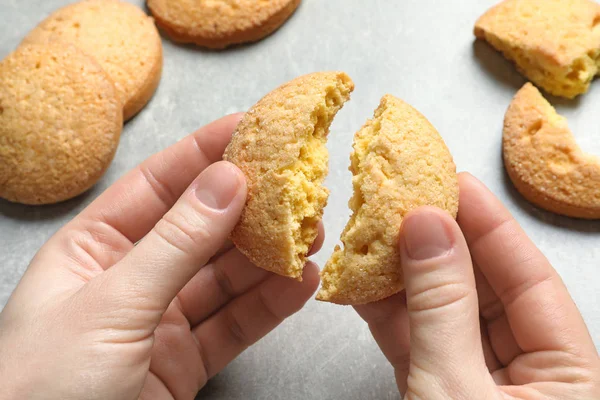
{"x":331,"y":274}
{"x":304,"y":190}
{"x":399,"y":162}
{"x":555,"y":43}
{"x":569,"y":82}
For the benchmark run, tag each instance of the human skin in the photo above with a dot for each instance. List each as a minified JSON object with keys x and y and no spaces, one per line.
{"x":97,"y":317}
{"x":142,"y":297}
{"x":484,"y":315}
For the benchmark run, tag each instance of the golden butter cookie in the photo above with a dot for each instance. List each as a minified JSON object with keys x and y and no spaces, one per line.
{"x":280,"y":147}
{"x":120,"y":36}
{"x":217,"y":24}
{"x":543,"y":160}
{"x":60,"y":122}
{"x":554,"y":43}
{"x":399,"y":163}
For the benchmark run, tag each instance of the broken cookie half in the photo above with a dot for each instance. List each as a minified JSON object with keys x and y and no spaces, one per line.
{"x":544,"y":161}
{"x":280,"y":147}
{"x":554,"y":43}
{"x":399,"y":163}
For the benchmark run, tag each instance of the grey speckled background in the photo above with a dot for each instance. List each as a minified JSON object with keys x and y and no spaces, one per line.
{"x":420,"y":50}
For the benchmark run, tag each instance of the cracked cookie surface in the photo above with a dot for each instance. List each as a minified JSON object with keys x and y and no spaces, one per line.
{"x":554,"y":43}
{"x":399,"y":163}
{"x":544,"y":161}
{"x":280,"y":147}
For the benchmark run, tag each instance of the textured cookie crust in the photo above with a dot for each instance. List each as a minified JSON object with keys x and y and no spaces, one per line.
{"x":120,"y":36}
{"x":60,"y":122}
{"x":280,"y":147}
{"x":555,"y":43}
{"x":399,"y":163}
{"x":217,"y":24}
{"x":545,"y":163}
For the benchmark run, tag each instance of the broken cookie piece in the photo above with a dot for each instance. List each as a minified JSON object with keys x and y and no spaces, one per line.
{"x":280,"y":147}
{"x":554,"y":43}
{"x":544,"y":161}
{"x":399,"y":163}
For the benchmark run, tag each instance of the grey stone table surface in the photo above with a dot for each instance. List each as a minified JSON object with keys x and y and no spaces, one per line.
{"x":420,"y":50}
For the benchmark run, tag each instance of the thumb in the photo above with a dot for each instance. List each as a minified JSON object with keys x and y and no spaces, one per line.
{"x":181,"y":243}
{"x":446,"y":355}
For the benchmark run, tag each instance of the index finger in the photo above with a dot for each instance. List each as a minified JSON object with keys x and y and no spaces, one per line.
{"x":138,"y":200}
{"x":108,"y":228}
{"x":541,"y":313}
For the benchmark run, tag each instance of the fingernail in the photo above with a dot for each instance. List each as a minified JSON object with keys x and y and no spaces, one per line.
{"x":426,"y":236}
{"x":217,"y":185}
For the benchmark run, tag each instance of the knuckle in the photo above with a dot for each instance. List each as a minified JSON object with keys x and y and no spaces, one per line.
{"x":206,"y":371}
{"x":236,"y":330}
{"x":492,"y":310}
{"x":412,"y":394}
{"x":424,"y":381}
{"x":401,"y":362}
{"x":161,"y":189}
{"x":184,"y":234}
{"x":271,"y":314}
{"x":223,"y":282}
{"x":439,"y":296}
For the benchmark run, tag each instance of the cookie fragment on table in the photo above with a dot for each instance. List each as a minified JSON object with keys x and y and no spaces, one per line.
{"x":544,"y":161}
{"x":554,"y":43}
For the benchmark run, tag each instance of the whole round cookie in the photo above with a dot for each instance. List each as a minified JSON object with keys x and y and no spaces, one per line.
{"x":120,"y":36}
{"x":544,"y":161}
{"x":60,"y":123}
{"x":399,"y":163}
{"x":220,"y":23}
{"x":280,"y":147}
